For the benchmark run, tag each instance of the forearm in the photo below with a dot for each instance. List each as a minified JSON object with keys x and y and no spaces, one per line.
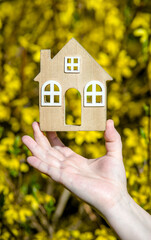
{"x":129,"y":220}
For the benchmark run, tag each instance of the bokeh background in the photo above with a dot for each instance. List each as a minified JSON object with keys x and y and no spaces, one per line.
{"x":118,"y":36}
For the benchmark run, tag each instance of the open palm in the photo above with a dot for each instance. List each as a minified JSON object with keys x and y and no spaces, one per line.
{"x":100,"y":182}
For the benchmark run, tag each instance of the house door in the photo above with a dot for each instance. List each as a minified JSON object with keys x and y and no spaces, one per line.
{"x":72,"y":107}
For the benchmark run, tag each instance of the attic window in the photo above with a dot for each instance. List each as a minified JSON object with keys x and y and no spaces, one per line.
{"x":51,"y":94}
{"x":94,"y":94}
{"x":72,"y":64}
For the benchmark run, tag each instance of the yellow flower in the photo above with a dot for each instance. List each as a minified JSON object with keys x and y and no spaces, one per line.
{"x":92,"y":136}
{"x":24,"y":167}
{"x":14,"y":164}
{"x":75,"y":234}
{"x":11,"y":196}
{"x":23,"y":41}
{"x":86,"y":236}
{"x":70,"y":120}
{"x":112,"y":47}
{"x":132,"y":137}
{"x":24,"y":213}
{"x":114,"y":101}
{"x":95,"y":150}
{"x":137,"y":159}
{"x":4,"y":189}
{"x":66,"y":15}
{"x":3,"y":149}
{"x":116,"y":120}
{"x":104,"y":59}
{"x":71,"y":135}
{"x":5,"y":236}
{"x":80,"y":137}
{"x":47,"y":198}
{"x":4,"y":113}
{"x":15,"y":231}
{"x":132,"y":179}
{"x":15,"y":124}
{"x":62,"y":233}
{"x":8,"y":141}
{"x":142,"y":199}
{"x":4,"y":97}
{"x":141,"y":19}
{"x":30,"y":114}
{"x":11,"y":215}
{"x":32,"y":201}
{"x":142,"y":33}
{"x":41,"y":236}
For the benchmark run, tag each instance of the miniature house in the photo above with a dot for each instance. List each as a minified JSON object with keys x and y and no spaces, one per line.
{"x":72,"y":67}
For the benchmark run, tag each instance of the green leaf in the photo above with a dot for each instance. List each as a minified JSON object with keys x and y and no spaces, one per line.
{"x":142,"y":133}
{"x":147,"y":110}
{"x":14,"y":173}
{"x":49,"y":207}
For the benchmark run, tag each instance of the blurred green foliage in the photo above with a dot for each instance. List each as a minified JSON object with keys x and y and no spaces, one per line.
{"x":118,"y":35}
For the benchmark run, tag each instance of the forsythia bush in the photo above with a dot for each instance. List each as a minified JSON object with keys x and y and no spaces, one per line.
{"x":118,"y":35}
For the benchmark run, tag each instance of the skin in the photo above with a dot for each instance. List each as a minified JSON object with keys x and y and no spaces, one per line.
{"x":100,"y":182}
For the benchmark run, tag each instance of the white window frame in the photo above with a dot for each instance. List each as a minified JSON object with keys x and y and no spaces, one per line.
{"x":51,"y":93}
{"x":94,"y":94}
{"x":72,"y":64}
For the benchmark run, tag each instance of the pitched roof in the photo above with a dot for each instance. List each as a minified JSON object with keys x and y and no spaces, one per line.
{"x":75,"y":43}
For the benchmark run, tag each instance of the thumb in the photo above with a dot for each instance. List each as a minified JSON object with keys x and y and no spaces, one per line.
{"x":112,"y":141}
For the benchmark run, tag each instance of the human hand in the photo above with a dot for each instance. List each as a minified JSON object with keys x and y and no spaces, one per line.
{"x":100,"y":182}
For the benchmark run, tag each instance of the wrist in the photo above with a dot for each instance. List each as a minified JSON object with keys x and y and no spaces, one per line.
{"x":122,"y":203}
{"x":129,"y":220}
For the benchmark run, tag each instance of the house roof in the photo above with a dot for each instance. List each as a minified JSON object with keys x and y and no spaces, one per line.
{"x":75,"y":43}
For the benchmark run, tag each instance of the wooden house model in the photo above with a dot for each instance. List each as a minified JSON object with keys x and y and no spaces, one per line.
{"x":72,"y":67}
